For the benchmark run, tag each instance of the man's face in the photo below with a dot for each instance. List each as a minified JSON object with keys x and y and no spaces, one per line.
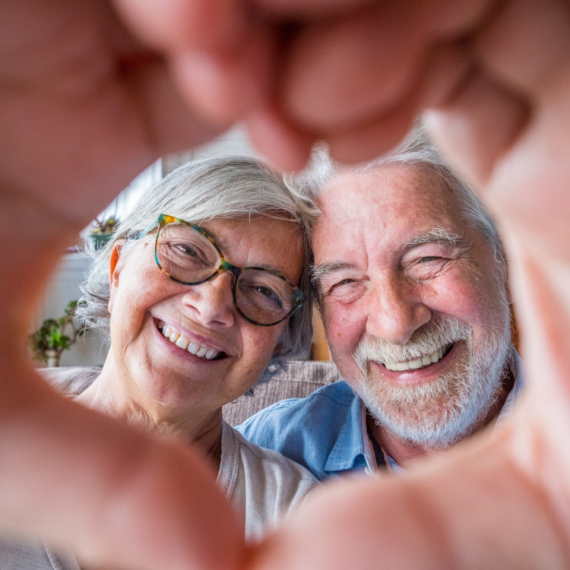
{"x":413,"y":303}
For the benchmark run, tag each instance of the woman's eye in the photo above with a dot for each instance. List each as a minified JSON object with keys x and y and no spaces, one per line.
{"x":265,"y":291}
{"x":188,"y":250}
{"x":262,"y":296}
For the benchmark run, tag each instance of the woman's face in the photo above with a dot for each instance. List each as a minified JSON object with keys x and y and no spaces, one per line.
{"x":154,"y":370}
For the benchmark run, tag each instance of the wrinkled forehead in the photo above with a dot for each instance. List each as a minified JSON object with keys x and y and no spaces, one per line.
{"x":390,"y":197}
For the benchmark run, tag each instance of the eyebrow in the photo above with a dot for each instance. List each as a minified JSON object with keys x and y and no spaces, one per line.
{"x":222,"y":246}
{"x":436,"y":235}
{"x":318,"y":271}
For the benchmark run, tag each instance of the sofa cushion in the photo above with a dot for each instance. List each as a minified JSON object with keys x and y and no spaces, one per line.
{"x":297,"y":380}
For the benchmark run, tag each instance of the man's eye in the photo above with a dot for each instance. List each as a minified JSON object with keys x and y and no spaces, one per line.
{"x":345,"y":291}
{"x":344,"y":282}
{"x":429,"y":258}
{"x":426,"y":267}
{"x":337,"y":287}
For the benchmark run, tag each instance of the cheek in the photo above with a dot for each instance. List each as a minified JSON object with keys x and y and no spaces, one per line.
{"x":259,"y":344}
{"x":470,"y":300}
{"x":343,"y":324}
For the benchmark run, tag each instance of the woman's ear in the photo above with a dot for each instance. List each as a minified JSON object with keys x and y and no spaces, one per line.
{"x":114,"y":271}
{"x":278,"y":348}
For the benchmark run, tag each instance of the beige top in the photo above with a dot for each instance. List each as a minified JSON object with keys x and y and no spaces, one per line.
{"x":262,"y":484}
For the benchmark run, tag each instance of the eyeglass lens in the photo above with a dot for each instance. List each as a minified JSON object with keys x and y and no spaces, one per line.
{"x":188,"y":256}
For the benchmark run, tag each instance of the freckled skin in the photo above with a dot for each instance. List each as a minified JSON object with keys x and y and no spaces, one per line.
{"x":387,"y":209}
{"x":157,"y":379}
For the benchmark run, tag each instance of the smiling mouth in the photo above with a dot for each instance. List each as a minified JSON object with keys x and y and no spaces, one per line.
{"x":184,"y":343}
{"x":422,"y":362}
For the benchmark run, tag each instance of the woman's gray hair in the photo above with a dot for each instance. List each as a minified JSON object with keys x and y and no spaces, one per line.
{"x":418,"y":152}
{"x":229,"y":187}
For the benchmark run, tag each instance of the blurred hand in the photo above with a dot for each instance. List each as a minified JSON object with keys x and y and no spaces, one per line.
{"x":85,"y":106}
{"x":493,"y":81}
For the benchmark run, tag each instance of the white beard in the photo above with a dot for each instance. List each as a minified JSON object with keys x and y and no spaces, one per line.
{"x":442,"y":412}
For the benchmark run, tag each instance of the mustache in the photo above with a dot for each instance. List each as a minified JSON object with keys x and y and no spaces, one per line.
{"x":428,"y":339}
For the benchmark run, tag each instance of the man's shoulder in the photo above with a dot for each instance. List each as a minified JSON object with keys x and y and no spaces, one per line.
{"x":272,"y":463}
{"x":308,"y":429}
{"x":337,"y":395}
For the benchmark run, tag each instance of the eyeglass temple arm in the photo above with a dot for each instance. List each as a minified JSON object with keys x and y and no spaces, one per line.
{"x":148,"y":230}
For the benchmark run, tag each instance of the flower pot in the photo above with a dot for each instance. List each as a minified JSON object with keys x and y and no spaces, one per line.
{"x":100,"y":240}
{"x":52,"y":358}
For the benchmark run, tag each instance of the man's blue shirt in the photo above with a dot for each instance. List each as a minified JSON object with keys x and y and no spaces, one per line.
{"x":326,"y":431}
{"x":323,"y":431}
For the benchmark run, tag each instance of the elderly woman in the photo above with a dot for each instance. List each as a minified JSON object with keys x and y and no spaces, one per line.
{"x":203,"y":286}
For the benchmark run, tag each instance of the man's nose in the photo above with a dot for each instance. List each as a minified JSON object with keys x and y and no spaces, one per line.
{"x":396,"y":310}
{"x":212,"y":301}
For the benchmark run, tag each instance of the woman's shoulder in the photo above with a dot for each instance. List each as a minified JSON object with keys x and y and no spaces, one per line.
{"x":263,"y":483}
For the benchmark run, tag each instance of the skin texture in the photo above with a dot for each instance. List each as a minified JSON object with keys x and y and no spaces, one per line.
{"x":148,"y":380}
{"x":85,"y":105}
{"x":372,"y":286}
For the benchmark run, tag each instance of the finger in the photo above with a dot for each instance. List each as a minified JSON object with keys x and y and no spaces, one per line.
{"x":477,"y":127}
{"x":226,"y":85}
{"x":445,"y":71}
{"x":375,"y":137}
{"x":173,"y":24}
{"x":285,"y":146}
{"x":342,"y":73}
{"x":121,"y":498}
{"x":526,"y":46}
{"x":313,"y":9}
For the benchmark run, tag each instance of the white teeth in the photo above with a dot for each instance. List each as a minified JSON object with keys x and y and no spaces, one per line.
{"x":426,"y":360}
{"x":414,"y":364}
{"x":184,"y":343}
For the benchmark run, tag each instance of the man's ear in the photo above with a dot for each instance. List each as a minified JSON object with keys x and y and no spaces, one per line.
{"x":115,"y":266}
{"x":278,"y":348}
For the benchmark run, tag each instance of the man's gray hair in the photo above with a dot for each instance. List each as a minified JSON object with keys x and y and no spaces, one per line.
{"x":215,"y":188}
{"x":419,"y":153}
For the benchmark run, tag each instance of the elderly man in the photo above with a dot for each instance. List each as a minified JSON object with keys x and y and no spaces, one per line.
{"x":412,"y":285}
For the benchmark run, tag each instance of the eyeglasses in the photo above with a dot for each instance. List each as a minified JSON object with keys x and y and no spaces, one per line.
{"x":190,"y":256}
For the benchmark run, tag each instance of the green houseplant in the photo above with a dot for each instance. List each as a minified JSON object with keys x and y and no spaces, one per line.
{"x":102,"y":231}
{"x":54,"y":336}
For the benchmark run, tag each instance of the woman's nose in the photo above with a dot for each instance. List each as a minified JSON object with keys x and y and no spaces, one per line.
{"x":212,"y":301}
